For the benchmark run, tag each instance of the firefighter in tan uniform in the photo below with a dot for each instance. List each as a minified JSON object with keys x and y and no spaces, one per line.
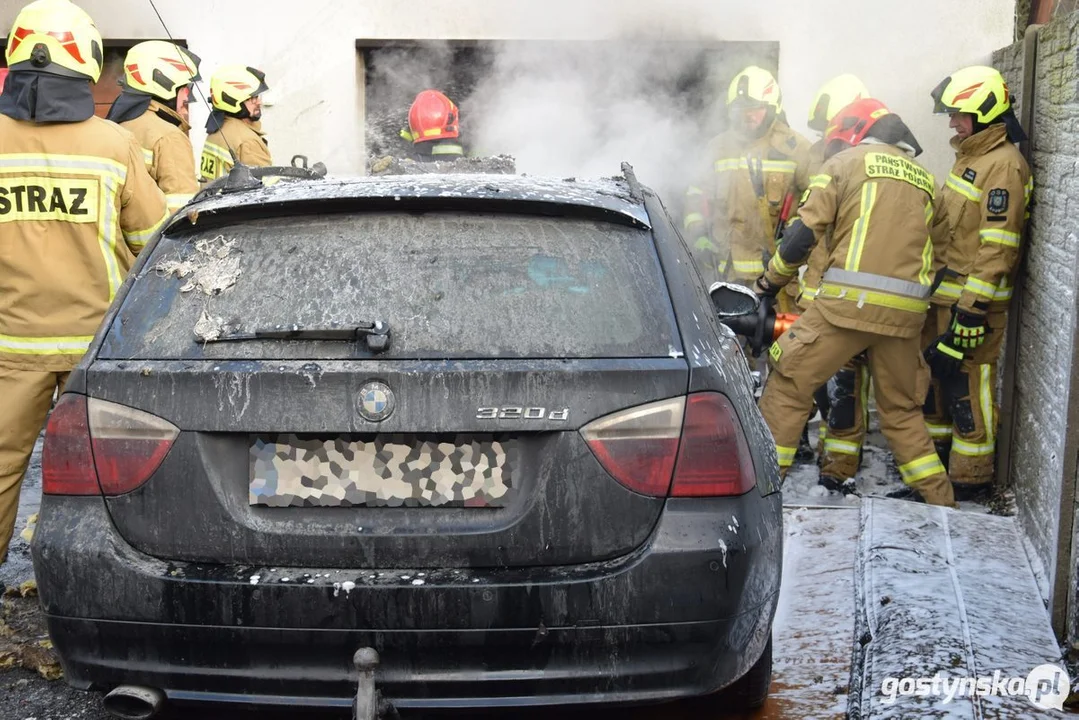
{"x":235,"y":125}
{"x":884,"y":250}
{"x":153,"y":105}
{"x":843,"y":400}
{"x":76,"y":207}
{"x":987,"y":194}
{"x":732,"y":211}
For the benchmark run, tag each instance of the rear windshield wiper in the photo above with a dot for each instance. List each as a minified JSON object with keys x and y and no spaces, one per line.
{"x":376,"y":334}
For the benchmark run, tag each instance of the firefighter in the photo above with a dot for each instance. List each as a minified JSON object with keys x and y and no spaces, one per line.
{"x":77,"y":206}
{"x":732,"y":212}
{"x":234,"y":129}
{"x":885,"y":246}
{"x":842,"y":401}
{"x":433,"y":127}
{"x":987,"y":194}
{"x":153,"y":105}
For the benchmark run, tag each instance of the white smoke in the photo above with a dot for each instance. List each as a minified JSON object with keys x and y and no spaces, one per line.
{"x":581,"y":109}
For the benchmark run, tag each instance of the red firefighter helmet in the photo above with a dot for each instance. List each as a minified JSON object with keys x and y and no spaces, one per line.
{"x":433,"y":116}
{"x":851,"y":124}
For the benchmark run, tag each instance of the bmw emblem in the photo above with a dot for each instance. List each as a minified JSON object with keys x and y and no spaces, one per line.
{"x":375,"y":402}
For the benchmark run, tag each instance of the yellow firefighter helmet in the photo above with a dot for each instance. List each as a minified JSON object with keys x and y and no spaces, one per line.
{"x":754,"y":87}
{"x":978,"y":90}
{"x":160,"y":68}
{"x":834,"y":95}
{"x":232,"y":85}
{"x":57,"y":37}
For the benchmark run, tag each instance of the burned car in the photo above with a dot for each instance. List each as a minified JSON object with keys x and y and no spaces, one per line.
{"x":488,"y":426}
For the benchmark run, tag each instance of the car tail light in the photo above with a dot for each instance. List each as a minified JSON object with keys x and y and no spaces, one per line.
{"x":128,"y":444}
{"x":714,"y":458}
{"x":638,"y":446}
{"x":67,"y":462}
{"x":94,"y":446}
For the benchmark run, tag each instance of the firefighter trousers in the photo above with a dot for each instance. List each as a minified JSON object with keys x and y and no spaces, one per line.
{"x":961,"y":413}
{"x":848,"y":420}
{"x":27,"y":400}
{"x":814,"y":350}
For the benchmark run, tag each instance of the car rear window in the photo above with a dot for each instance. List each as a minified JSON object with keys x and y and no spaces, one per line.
{"x":450,"y":285}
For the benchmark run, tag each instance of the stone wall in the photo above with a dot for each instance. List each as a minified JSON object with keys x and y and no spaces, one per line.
{"x":1047,"y":309}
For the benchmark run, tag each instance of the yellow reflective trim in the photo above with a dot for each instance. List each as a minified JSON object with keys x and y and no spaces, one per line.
{"x":949,"y":290}
{"x":1004,"y":292}
{"x":861,"y":226}
{"x":986,"y":396}
{"x":216,"y":161}
{"x":148,"y":157}
{"x":48,"y":162}
{"x":939,"y":432}
{"x":783,"y":268}
{"x":139,"y":238}
{"x":693,"y":190}
{"x":786,"y":455}
{"x":870,"y":297}
{"x":925,"y":275}
{"x":749,"y":266}
{"x":921,"y":468}
{"x":106,"y":237}
{"x":74,"y":345}
{"x":896,"y":167}
{"x":843,"y":447}
{"x":961,"y":446}
{"x":41,"y":197}
{"x":968,"y":190}
{"x":691,"y":218}
{"x":788,"y":167}
{"x":1000,"y":237}
{"x":819,"y":181}
{"x":722,"y":266}
{"x":980,"y":287}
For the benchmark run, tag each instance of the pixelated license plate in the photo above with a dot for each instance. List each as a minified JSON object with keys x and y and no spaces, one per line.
{"x":382,"y":471}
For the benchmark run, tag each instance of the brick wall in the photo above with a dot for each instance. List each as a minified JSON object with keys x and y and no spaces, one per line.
{"x":1048,"y":298}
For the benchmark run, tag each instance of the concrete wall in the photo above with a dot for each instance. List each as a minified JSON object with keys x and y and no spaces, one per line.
{"x":901,"y":48}
{"x":1045,"y":353}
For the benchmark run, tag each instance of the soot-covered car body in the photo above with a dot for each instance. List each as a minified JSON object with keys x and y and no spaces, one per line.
{"x":486,"y":425}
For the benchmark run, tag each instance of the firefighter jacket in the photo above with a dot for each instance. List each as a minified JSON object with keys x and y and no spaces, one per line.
{"x":809,"y":280}
{"x":732,"y":211}
{"x":76,"y":207}
{"x":987,"y":196}
{"x":246,"y":140}
{"x":169,"y":155}
{"x":888,"y":241}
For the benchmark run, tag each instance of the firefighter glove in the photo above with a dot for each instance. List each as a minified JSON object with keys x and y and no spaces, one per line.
{"x":943,"y":357}
{"x":969,"y":329}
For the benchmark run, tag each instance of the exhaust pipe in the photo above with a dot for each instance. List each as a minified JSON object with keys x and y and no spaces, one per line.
{"x":131,"y":702}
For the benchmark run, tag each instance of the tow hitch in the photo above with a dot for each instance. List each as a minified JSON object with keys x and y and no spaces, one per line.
{"x":369,"y":704}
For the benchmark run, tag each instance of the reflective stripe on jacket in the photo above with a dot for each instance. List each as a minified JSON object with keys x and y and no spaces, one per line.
{"x":736,"y":202}
{"x":170,"y":157}
{"x":244,"y":138}
{"x":987,"y":195}
{"x":887,"y":241}
{"x":76,"y":206}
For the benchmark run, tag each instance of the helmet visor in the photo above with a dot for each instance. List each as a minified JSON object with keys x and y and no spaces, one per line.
{"x":939,"y":106}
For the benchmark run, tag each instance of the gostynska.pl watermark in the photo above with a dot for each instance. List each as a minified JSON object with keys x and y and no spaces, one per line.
{"x":1046,"y":686}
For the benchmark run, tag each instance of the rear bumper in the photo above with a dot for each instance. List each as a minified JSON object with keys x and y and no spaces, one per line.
{"x":687,"y":614}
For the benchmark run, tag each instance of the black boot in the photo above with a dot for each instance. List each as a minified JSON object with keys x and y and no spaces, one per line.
{"x":906,"y":493}
{"x":834,"y":484}
{"x":804,"y":454}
